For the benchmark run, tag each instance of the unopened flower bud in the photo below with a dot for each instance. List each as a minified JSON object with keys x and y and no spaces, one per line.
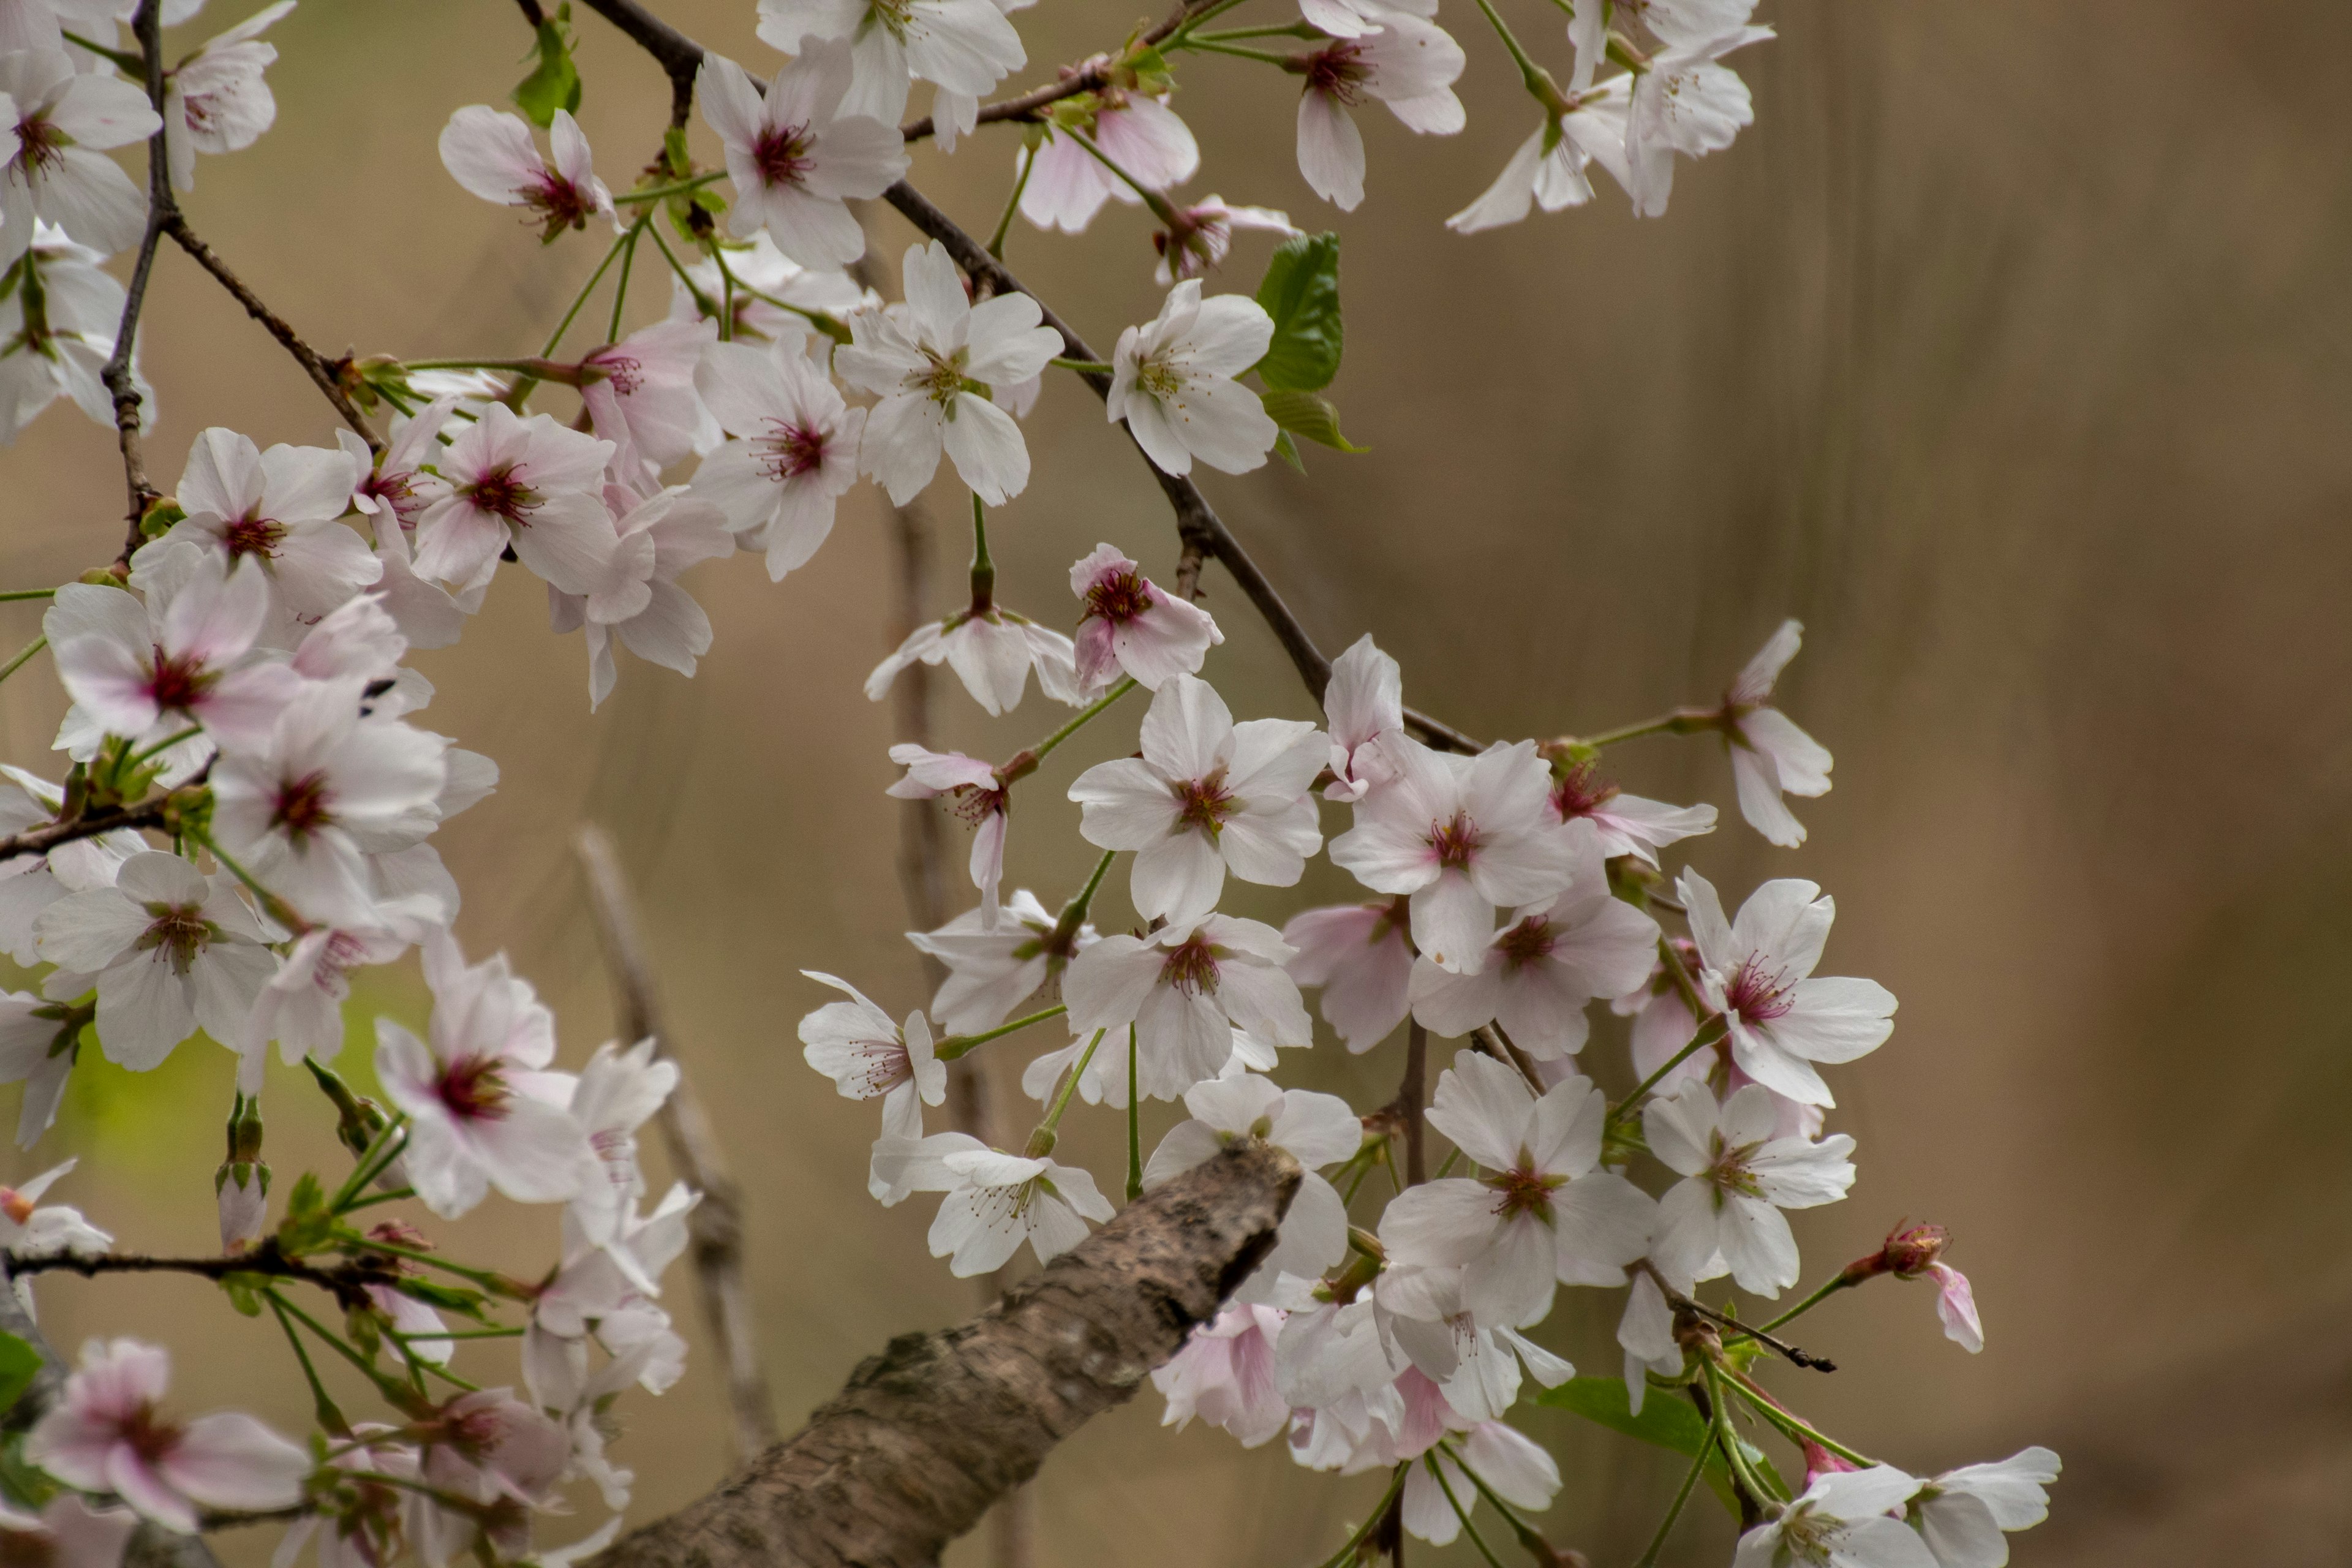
{"x":1907,"y":1254}
{"x":243,"y":1190}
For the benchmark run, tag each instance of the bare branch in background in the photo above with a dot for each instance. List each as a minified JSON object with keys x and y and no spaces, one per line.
{"x":715,"y":1228}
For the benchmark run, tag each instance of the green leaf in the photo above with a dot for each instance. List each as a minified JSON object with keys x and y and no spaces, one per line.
{"x":1668,"y":1420}
{"x":1305,"y":414}
{"x":554,"y":81}
{"x":19,"y":1364}
{"x":1301,"y":292}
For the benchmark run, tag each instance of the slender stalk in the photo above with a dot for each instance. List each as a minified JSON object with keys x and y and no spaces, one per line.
{"x":329,"y":1415}
{"x":1682,"y":1495}
{"x":1741,"y":1470}
{"x":1074,"y":913}
{"x":1273,"y":31}
{"x":955,"y":1046}
{"x":160,"y":747}
{"x":1134,"y":1123}
{"x":489,"y":1279}
{"x":394,"y":1196}
{"x":621,"y":284}
{"x":1083,"y":366}
{"x":1529,"y":73}
{"x":1681,"y":721}
{"x":702,"y":302}
{"x":1206,"y":14}
{"x":15,"y":593}
{"x":429,"y":1337}
{"x":1707,"y":1035}
{"x":387,"y":1386}
{"x":276,"y":908}
{"x":1372,"y":1521}
{"x":984,"y":566}
{"x":1207,"y":46}
{"x":1012,"y":205}
{"x":23,"y":655}
{"x":675,"y":189}
{"x":1837,"y":1283}
{"x":589,"y":288}
{"x":1039,"y":752}
{"x":1460,"y":1512}
{"x":1070,"y":1086}
{"x":1152,"y":198}
{"x":1790,"y":1424}
{"x":379,"y":1154}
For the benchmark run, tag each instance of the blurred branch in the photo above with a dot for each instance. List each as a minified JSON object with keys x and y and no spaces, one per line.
{"x":715,"y":1226}
{"x":121,"y":385}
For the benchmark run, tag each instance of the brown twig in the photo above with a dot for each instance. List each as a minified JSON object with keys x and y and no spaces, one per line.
{"x":1411,"y":1104}
{"x":121,"y":386}
{"x":41,"y":840}
{"x":679,"y":56}
{"x":715,"y":1226}
{"x":1073,"y":81}
{"x":346,"y":1281}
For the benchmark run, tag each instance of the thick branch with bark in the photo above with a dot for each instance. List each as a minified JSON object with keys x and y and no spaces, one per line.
{"x":936,"y":1427}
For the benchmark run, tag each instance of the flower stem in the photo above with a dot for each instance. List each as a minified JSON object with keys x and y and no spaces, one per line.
{"x":1134,"y":1123}
{"x":587,"y":289}
{"x":702,"y":302}
{"x":1074,"y":913}
{"x":983,"y":568}
{"x":1681,"y":721}
{"x":14,"y":594}
{"x":1012,"y":205}
{"x":13,"y":665}
{"x":621,"y":284}
{"x":1208,"y":47}
{"x":1538,"y":81}
{"x":378,"y":1159}
{"x":1788,"y":1421}
{"x":1709,"y":1034}
{"x":390,"y":1388}
{"x":1152,"y":198}
{"x":1062,"y":1101}
{"x":1235,"y":35}
{"x":1039,"y":752}
{"x":1460,"y":1512}
{"x":323,"y":1406}
{"x":1372,"y":1521}
{"x":1206,"y":14}
{"x":1741,"y":1470}
{"x":955,"y":1046}
{"x":427,"y":1337}
{"x":1838,"y":1282}
{"x":160,"y":747}
{"x":675,"y":189}
{"x":489,"y":1279}
{"x":276,"y":908}
{"x":1665,"y":1526}
{"x":1083,"y":366}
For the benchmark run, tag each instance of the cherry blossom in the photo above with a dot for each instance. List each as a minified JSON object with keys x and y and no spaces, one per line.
{"x":1724,"y":1216}
{"x":1360,"y":956}
{"x":867,"y":1057}
{"x":146,"y":671}
{"x":1841,"y":1520}
{"x":795,"y":454}
{"x":991,"y":651}
{"x":1769,"y":755}
{"x":57,"y":170}
{"x":1548,"y":169}
{"x":1476,"y":1366}
{"x":69,"y":1533}
{"x":643,"y":400}
{"x":1172,"y":383}
{"x":1196,"y":243}
{"x":994,"y":1201}
{"x":1354,"y":18}
{"x":492,"y":156}
{"x":1628,"y":824}
{"x":29,"y":1229}
{"x":1759,"y":972}
{"x":1316,"y":1130}
{"x":981,"y":800}
{"x":1363,"y":703}
{"x":1545,"y":1213}
{"x":37,"y":1046}
{"x":105,"y":1434}
{"x":967,"y":47}
{"x":1917,"y":1253}
{"x":617,"y":1093}
{"x":1186,"y":987}
{"x":31,"y":883}
{"x":1068,"y":185}
{"x":278,"y":507}
{"x":1461,"y":834}
{"x":1962,"y":1514}
{"x":923,"y":358}
{"x":1207,"y":795}
{"x":301,"y":1007}
{"x":797,"y":153}
{"x":1407,"y":63}
{"x":216,"y":100}
{"x":1519,"y":1472}
{"x":528,"y":483}
{"x":1225,"y":1375}
{"x":1685,"y":102}
{"x":58,"y":313}
{"x":991,"y":969}
{"x":1134,"y":627}
{"x":639,"y":600}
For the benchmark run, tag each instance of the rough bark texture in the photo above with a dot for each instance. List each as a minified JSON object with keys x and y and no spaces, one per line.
{"x":936,"y":1427}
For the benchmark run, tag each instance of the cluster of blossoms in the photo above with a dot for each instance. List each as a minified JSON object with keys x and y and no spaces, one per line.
{"x":248,"y":805}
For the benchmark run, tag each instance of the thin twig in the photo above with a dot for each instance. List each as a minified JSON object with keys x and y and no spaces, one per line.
{"x":41,"y":840}
{"x":1094,"y":74}
{"x":715,"y":1225}
{"x":121,"y":386}
{"x":1411,"y":1100}
{"x":346,"y":1281}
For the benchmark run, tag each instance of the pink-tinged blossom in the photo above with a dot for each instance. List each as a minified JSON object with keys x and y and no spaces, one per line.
{"x":360,"y":1523}
{"x":1628,"y":824}
{"x":491,"y":1447}
{"x":1757,"y":971}
{"x":395,"y":485}
{"x":1770,"y":756}
{"x":61,"y":348}
{"x":217,"y":101}
{"x":990,"y":970}
{"x":1541,"y":970}
{"x":1476,"y":1366}
{"x":794,"y":451}
{"x":68,"y":1533}
{"x":1460,"y":834}
{"x":1186,"y":988}
{"x":1517,"y":1471}
{"x":1685,"y":102}
{"x":1408,"y":64}
{"x":1962,"y":1514}
{"x":1842,"y":1520}
{"x":1202,"y":233}
{"x":483,"y":1110}
{"x":1172,"y":381}
{"x":168,"y":950}
{"x":1724,"y":1216}
{"x":868,"y":1057}
{"x":1360,"y":956}
{"x":492,"y":156}
{"x":994,"y":1201}
{"x":991,"y":651}
{"x":1207,"y":795}
{"x":278,"y":507}
{"x":1225,"y":1375}
{"x":981,"y":799}
{"x":1548,"y":169}
{"x":528,"y":483}
{"x":797,"y":153}
{"x":1068,"y":185}
{"x":617,"y":1093}
{"x":1917,"y":1253}
{"x":38,"y":1042}
{"x":644,"y":402}
{"x":146,"y":671}
{"x":966,"y":47}
{"x":31,"y":883}
{"x":639,"y":601}
{"x":1545,"y":1213}
{"x":106,"y":1434}
{"x":922,"y":358}
{"x":29,"y":1229}
{"x":56,"y":168}
{"x":301,"y":1007}
{"x":1316,"y":1130}
{"x":1363,"y":703}
{"x":1134,"y":627}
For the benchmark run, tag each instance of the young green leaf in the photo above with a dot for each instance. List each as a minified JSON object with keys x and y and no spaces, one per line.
{"x":554,"y":81}
{"x":1305,"y":414}
{"x":1301,"y":292}
{"x":1668,"y":1420}
{"x":19,"y":1364}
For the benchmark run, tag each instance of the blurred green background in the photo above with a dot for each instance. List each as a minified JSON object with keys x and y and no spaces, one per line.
{"x":2009,"y":349}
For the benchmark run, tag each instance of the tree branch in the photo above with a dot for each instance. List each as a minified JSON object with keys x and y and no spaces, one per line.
{"x":679,"y":56}
{"x":936,"y":1427}
{"x":147,"y":26}
{"x":89,"y":824}
{"x":715,"y":1228}
{"x":345,"y":1281}
{"x":1074,"y":80}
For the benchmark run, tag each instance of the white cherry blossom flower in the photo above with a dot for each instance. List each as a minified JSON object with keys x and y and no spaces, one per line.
{"x":617,"y":1093}
{"x":1520,"y":1471}
{"x":1840,"y":1521}
{"x":31,"y":883}
{"x":301,"y":1007}
{"x":1769,"y":755}
{"x":994,"y":1201}
{"x":1685,"y":102}
{"x":106,"y":1434}
{"x":1476,"y":1365}
{"x":1186,"y":988}
{"x":1225,"y":1375}
{"x":278,"y":507}
{"x":1541,"y":970}
{"x":990,"y":970}
{"x":1759,"y":971}
{"x":1360,"y":956}
{"x":1628,"y":824}
{"x":924,"y":358}
{"x":1548,"y":169}
{"x":991,"y":651}
{"x":1207,"y":795}
{"x":58,"y":313}
{"x":639,"y":601}
{"x":38,"y":1042}
{"x":646,"y":402}
{"x":1724,"y":1216}
{"x":56,"y":168}
{"x":966,"y":47}
{"x":1204,"y":231}
{"x":1354,"y":18}
{"x":168,"y":950}
{"x":794,"y":452}
{"x":1134,"y":627}
{"x":146,"y":671}
{"x":492,"y":156}
{"x":1172,"y":383}
{"x":29,"y":1229}
{"x":217,"y":100}
{"x":1316,"y":1130}
{"x":528,"y":483}
{"x":1068,"y":185}
{"x":1364,"y":702}
{"x":1408,"y":64}
{"x":1545,"y":1213}
{"x":981,"y":800}
{"x":1461,"y":834}
{"x":1962,"y":1514}
{"x":868,"y":1057}
{"x":795,"y":155}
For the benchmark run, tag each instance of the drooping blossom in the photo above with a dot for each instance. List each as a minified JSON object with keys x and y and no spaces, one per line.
{"x":68,"y":1533}
{"x":146,"y":671}
{"x":30,"y":1228}
{"x":106,"y":1434}
{"x":1364,"y":702}
{"x":1186,"y":988}
{"x":867,"y":1055}
{"x":1225,"y":1375}
{"x":1477,"y":1366}
{"x":796,"y":155}
{"x":1518,"y":1471}
{"x":794,"y":451}
{"x":57,"y":170}
{"x":617,"y":1093}
{"x":1724,"y":1216}
{"x":1460,"y":834}
{"x":1316,"y":1130}
{"x":1769,"y":755}
{"x":1757,"y":971}
{"x":528,"y":483}
{"x":966,"y":47}
{"x":990,"y":970}
{"x":1354,"y":18}
{"x":991,"y":651}
{"x":218,"y":100}
{"x":639,"y":601}
{"x":1408,"y":63}
{"x":1628,"y":824}
{"x":1841,"y":1520}
{"x":1207,"y":795}
{"x":1962,"y":1514}
{"x":492,"y":1448}
{"x":1548,"y":169}
{"x":1197,"y":242}
{"x":492,"y":156}
{"x":39,"y":1040}
{"x":1917,"y":1253}
{"x":1685,"y":102}
{"x":58,"y":313}
{"x":643,"y":398}
{"x":168,"y":950}
{"x":1360,"y":956}
{"x":1172,"y":381}
{"x":994,"y":1201}
{"x":981,"y":799}
{"x":31,"y":883}
{"x":301,"y":1007}
{"x":1134,"y":627}
{"x":1539,"y":971}
{"x":1545,"y":1213}
{"x":278,"y":507}
{"x":1068,"y":185}
{"x":924,"y":358}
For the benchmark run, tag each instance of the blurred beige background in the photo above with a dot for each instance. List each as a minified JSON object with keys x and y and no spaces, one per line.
{"x":2010,"y":349}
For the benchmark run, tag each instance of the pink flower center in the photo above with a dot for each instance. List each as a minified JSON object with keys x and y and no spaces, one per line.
{"x":976,"y":805}
{"x":1756,"y":994}
{"x":789,"y":451}
{"x":781,"y":153}
{"x":1580,"y":793}
{"x":147,"y":1435}
{"x":178,"y":680}
{"x":253,"y":536}
{"x":1205,"y":803}
{"x":473,"y":1089}
{"x":1339,"y":72}
{"x":502,"y":494}
{"x":1455,"y":842}
{"x":397,"y":491}
{"x":1120,"y":597}
{"x":1191,"y":967}
{"x":559,"y":202}
{"x":302,"y":807}
{"x":1524,"y":1190}
{"x":1527,"y":943}
{"x":624,"y":374}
